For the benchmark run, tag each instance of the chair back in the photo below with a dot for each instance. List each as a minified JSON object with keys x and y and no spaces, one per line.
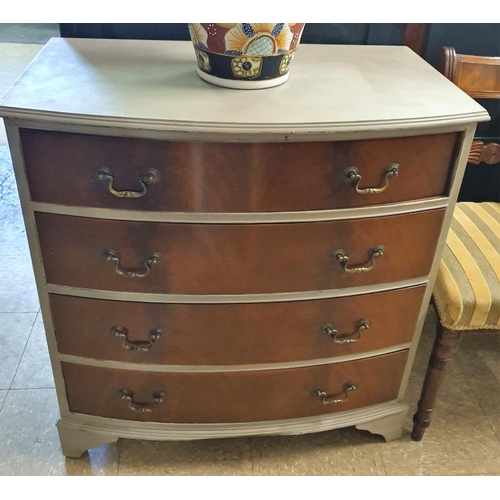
{"x":479,"y":77}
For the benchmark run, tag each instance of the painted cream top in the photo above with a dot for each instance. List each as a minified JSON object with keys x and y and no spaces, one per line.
{"x":153,"y":85}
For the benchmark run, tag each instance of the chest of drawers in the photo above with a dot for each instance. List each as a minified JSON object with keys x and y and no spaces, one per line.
{"x":215,"y":263}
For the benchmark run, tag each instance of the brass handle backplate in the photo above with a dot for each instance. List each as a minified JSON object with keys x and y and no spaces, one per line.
{"x":150,"y":176}
{"x":138,"y":345}
{"x":351,"y":338}
{"x":334,"y":400}
{"x":158,"y":397}
{"x":112,"y":256}
{"x":341,"y":256}
{"x":352,"y":176}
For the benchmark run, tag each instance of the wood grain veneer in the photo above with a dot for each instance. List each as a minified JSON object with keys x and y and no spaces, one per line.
{"x":232,"y":177}
{"x":235,"y":259}
{"x":233,"y":334}
{"x":233,"y":396}
{"x":478,"y":76}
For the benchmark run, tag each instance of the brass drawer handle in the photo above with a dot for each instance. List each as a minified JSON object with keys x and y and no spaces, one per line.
{"x":112,"y":256}
{"x":351,"y":175}
{"x":341,"y":256}
{"x":139,"y":345}
{"x":351,"y":338}
{"x":334,"y":400}
{"x":150,"y":176}
{"x":158,"y":397}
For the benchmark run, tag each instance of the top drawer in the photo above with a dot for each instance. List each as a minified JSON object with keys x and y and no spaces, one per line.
{"x":63,"y":168}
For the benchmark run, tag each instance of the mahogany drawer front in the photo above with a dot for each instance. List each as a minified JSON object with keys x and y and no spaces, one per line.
{"x":233,"y":334}
{"x":234,"y":259}
{"x":222,"y":397}
{"x":233,"y":177}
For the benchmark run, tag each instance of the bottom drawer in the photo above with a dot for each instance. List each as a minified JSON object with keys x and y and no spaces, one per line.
{"x":244,"y":396}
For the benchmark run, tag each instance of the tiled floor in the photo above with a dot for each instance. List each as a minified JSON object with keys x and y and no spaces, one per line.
{"x":27,"y":33}
{"x":464,"y":439}
{"x":14,"y":57}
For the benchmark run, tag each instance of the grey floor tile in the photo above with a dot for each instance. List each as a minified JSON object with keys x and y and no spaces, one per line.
{"x":6,"y":171}
{"x":222,"y":457}
{"x":35,"y":371}
{"x":3,"y":132}
{"x":28,"y":33}
{"x":17,"y":285}
{"x":9,"y":197}
{"x":3,"y":395}
{"x":17,"y":282}
{"x":478,"y":356}
{"x":342,"y":452}
{"x":14,"y":58}
{"x":29,"y":443}
{"x":460,"y":439}
{"x":13,"y":239}
{"x":15,"y":329}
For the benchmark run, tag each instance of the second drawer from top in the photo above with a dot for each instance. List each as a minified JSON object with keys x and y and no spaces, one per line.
{"x":192,"y":259}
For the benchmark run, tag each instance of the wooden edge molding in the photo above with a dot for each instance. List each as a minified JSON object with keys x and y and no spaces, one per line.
{"x":447,"y":58}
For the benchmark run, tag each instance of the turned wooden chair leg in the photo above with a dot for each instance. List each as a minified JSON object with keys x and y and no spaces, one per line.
{"x":440,"y":357}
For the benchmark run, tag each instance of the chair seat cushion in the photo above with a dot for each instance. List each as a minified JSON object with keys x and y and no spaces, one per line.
{"x":467,"y":289}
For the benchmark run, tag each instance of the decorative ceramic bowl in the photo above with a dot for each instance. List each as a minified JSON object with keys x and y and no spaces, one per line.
{"x":245,"y":55}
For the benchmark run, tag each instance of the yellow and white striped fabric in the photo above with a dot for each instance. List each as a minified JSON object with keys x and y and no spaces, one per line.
{"x":467,"y":289}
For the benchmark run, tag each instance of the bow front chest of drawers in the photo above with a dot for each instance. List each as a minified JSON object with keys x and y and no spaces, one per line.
{"x":215,"y":263}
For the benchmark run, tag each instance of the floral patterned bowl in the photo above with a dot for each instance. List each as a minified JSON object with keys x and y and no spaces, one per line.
{"x":245,"y":55}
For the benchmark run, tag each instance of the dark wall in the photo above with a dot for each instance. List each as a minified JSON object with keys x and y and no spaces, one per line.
{"x":481,"y":182}
{"x":327,"y":33}
{"x":467,"y":38}
{"x":133,"y":31}
{"x":480,"y":39}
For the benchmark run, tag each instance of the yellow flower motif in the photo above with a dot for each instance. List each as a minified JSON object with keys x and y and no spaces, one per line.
{"x":227,"y":25}
{"x":203,"y":60}
{"x":258,"y":39}
{"x":198,"y":34}
{"x":285,"y":62}
{"x":246,"y":67}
